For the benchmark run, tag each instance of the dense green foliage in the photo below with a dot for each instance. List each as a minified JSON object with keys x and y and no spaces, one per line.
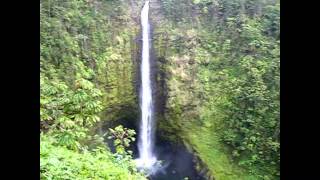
{"x":58,"y":162}
{"x":223,"y":71}
{"x":71,"y":113}
{"x":91,"y":41}
{"x":219,"y":59}
{"x":122,"y":138}
{"x":86,"y":74}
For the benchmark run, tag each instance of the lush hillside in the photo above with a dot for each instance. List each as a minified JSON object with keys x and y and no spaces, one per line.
{"x":59,"y":162}
{"x":222,"y":64}
{"x":217,"y":84}
{"x":86,"y":77}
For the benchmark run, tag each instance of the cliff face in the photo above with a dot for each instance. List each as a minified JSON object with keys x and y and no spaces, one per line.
{"x":207,"y":54}
{"x":96,"y":41}
{"x":88,"y":59}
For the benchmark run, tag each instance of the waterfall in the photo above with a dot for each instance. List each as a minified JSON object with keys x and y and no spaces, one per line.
{"x":146,"y":158}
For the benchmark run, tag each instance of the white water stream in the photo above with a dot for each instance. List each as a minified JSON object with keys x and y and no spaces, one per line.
{"x":146,"y":158}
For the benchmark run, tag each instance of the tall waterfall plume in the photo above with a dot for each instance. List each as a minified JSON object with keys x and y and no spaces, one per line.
{"x":147,"y":158}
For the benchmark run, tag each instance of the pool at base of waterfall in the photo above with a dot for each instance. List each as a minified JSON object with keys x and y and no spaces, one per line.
{"x":174,"y":162}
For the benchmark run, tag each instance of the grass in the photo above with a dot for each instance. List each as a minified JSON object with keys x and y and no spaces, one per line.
{"x":206,"y":143}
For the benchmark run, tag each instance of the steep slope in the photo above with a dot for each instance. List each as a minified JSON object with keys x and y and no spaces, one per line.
{"x":220,"y":61}
{"x":88,"y":59}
